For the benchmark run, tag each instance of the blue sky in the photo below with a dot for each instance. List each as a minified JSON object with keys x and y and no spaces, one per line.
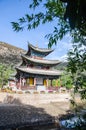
{"x":12,"y":10}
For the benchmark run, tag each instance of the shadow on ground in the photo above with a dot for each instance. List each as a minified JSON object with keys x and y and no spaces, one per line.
{"x":14,"y":114}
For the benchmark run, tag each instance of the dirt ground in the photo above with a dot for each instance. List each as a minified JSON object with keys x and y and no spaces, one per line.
{"x":52,"y":104}
{"x":15,"y":112}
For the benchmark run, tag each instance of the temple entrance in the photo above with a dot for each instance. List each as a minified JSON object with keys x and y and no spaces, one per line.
{"x":40,"y":84}
{"x":39,"y":81}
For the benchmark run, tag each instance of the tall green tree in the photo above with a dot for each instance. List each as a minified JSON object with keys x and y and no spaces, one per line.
{"x":5,"y":72}
{"x":66,"y":80}
{"x":77,"y":66}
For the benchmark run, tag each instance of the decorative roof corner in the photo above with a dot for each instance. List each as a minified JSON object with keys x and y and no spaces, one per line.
{"x":42,"y":50}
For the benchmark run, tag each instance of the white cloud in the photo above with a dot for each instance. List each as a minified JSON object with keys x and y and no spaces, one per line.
{"x":64,"y":45}
{"x":63,"y":58}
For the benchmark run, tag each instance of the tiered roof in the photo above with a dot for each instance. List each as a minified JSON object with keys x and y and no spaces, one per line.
{"x":41,"y":61}
{"x":34,"y":70}
{"x":37,"y":71}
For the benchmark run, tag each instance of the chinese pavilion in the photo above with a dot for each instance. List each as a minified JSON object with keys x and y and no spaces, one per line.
{"x":35,"y":70}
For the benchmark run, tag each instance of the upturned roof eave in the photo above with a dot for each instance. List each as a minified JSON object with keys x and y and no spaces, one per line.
{"x":42,"y":61}
{"x":40,"y":71}
{"x":42,"y":50}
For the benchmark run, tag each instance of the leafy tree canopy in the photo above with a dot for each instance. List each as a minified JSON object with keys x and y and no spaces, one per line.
{"x":69,"y":14}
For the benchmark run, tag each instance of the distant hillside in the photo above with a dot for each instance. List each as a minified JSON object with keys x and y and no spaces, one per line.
{"x":10,"y":54}
{"x":61,"y":66}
